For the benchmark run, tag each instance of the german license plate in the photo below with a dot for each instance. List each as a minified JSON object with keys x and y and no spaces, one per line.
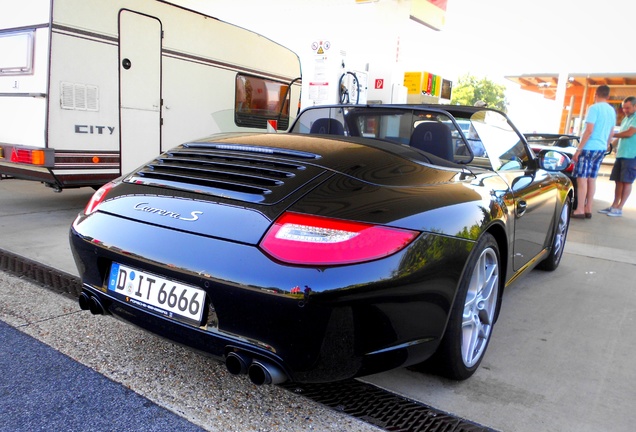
{"x":157,"y":294}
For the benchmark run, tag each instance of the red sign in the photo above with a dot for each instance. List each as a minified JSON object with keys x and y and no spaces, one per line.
{"x":379,"y":83}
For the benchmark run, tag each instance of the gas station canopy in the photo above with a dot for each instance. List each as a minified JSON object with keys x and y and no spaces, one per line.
{"x":579,"y":92}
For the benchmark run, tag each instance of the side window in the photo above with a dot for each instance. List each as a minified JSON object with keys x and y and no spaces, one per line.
{"x":17,"y":52}
{"x":259,"y":100}
{"x":504,"y":147}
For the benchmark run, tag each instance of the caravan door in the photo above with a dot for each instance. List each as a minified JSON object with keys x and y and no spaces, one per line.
{"x":139,"y":89}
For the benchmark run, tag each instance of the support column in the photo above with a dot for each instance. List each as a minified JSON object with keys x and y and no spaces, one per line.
{"x":569,"y":119}
{"x":582,"y":112}
{"x":560,"y":99}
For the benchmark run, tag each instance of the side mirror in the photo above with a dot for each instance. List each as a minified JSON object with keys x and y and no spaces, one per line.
{"x":553,"y":160}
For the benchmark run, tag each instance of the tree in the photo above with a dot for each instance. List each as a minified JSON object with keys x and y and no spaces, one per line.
{"x":470,"y":89}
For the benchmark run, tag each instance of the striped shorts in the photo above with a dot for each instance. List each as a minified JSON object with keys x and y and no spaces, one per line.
{"x":588,"y":164}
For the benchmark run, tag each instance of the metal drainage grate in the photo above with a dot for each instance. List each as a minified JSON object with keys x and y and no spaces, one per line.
{"x":41,"y":274}
{"x":357,"y":399}
{"x":382,"y":408}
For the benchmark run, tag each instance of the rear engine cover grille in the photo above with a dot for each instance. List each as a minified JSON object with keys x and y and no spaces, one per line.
{"x":242,"y":172}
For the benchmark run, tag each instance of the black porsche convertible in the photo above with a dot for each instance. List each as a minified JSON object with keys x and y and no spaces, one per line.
{"x":369,"y":238}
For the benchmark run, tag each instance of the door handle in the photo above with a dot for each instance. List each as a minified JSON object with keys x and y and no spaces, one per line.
{"x":522,"y":206}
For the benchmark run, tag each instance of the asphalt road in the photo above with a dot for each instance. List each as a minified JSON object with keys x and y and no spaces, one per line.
{"x":43,"y":389}
{"x":561,"y":357}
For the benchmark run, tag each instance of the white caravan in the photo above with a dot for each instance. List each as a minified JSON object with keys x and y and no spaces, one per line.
{"x":91,"y":89}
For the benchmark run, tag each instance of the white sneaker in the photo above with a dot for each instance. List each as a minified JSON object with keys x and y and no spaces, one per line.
{"x":606,"y":210}
{"x":615,"y":213}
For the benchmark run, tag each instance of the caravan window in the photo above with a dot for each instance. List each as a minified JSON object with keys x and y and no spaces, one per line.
{"x":17,"y":52}
{"x":259,"y":100}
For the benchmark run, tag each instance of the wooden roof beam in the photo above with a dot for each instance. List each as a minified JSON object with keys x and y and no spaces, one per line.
{"x":526,"y":82}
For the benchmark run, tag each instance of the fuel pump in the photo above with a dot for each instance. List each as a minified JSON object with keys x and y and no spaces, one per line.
{"x":349,"y":88}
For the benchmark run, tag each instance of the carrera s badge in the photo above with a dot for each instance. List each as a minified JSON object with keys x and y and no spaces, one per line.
{"x":144,"y":207}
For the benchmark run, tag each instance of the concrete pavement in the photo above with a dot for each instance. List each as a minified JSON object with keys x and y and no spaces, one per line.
{"x":560,"y":358}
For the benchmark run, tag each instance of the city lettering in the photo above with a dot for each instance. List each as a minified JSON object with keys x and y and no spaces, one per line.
{"x":97,"y":130}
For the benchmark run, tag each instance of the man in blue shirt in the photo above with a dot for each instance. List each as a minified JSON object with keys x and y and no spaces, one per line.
{"x":599,"y":129}
{"x":624,"y":170}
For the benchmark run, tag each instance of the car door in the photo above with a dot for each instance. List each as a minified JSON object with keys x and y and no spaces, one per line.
{"x":531,"y":190}
{"x":534,"y":195}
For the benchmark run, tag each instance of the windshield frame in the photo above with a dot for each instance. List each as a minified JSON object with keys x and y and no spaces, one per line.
{"x":496,"y":143}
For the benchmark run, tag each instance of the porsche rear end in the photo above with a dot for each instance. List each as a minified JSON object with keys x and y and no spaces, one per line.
{"x":233,"y":250}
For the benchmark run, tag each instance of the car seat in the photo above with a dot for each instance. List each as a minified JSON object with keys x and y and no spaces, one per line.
{"x":564,"y":142}
{"x":434,"y":138}
{"x":327,"y":126}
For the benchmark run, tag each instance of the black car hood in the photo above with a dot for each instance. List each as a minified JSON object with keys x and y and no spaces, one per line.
{"x":234,"y":186}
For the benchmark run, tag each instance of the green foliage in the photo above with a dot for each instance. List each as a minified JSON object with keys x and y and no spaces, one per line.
{"x":470,"y":89}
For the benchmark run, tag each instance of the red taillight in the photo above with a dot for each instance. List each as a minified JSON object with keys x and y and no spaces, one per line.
{"x":97,"y":198}
{"x":570,"y":168}
{"x":311,"y":240}
{"x":26,"y":156}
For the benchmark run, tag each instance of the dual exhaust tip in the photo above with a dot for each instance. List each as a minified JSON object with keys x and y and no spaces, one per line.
{"x":91,"y":303}
{"x":259,"y":371}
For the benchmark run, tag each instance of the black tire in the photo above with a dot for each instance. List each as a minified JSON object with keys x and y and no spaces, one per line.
{"x":551,"y":262}
{"x":473,"y":314}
